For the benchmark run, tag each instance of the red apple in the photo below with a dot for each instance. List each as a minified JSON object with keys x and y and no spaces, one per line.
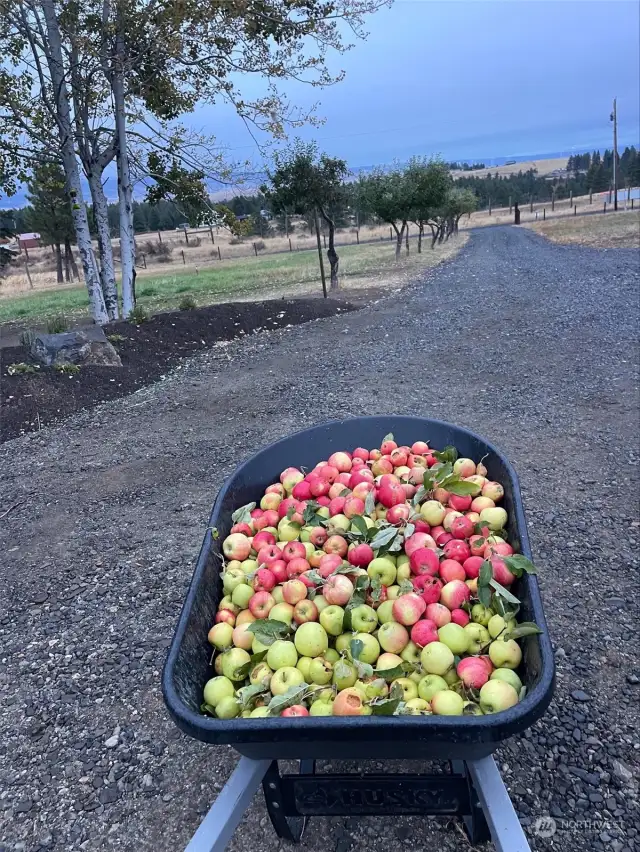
{"x":423,"y":632}
{"x":294,"y":591}
{"x":360,"y":453}
{"x":341,"y":461}
{"x":328,"y":564}
{"x":293,"y":550}
{"x":407,"y":609}
{"x":302,"y":490}
{"x":353,"y":506}
{"x":360,"y":555}
{"x":424,"y":561}
{"x":461,"y":528}
{"x":458,"y":550}
{"x":451,"y":570}
{"x":438,"y":614}
{"x":245,"y":529}
{"x":337,"y":589}
{"x":337,"y":505}
{"x":318,"y":536}
{"x":295,"y":710}
{"x":459,"y":616}
{"x":428,"y":587}
{"x":336,"y":544}
{"x":279,"y":570}
{"x":264,"y":580}
{"x":472,"y":566}
{"x":262,"y":539}
{"x":387,"y":447}
{"x":399,"y":513}
{"x":460,"y":502}
{"x":297,"y":566}
{"x":261,"y":604}
{"x":304,"y":611}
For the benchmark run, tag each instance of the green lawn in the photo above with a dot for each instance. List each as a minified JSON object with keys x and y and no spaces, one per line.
{"x":261,"y":277}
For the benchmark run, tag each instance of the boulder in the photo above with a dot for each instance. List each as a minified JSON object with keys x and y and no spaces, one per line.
{"x":74,"y":347}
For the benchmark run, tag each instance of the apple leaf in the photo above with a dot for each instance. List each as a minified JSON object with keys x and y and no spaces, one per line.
{"x":291,"y":512}
{"x":406,"y":586}
{"x":247,"y":694}
{"x":267,"y":630}
{"x":505,"y":593}
{"x":384,"y":706}
{"x":449,"y":454}
{"x":363,"y":669}
{"x":409,"y":530}
{"x":207,"y":708}
{"x":309,"y":514}
{"x":526,"y":628}
{"x":314,"y":576}
{"x":428,"y":482}
{"x":383,"y":537}
{"x":293,"y":695}
{"x":388,"y":437}
{"x":360,"y":524}
{"x":522,"y":694}
{"x":244,"y":671}
{"x":356,"y":646}
{"x":486,"y":573}
{"x":370,"y":503}
{"x":420,"y":495}
{"x":342,"y":669}
{"x":484,"y":595}
{"x":311,"y":593}
{"x":519,"y":564}
{"x":345,"y":568}
{"x":396,"y":544}
{"x":376,"y":588}
{"x":461,"y":487}
{"x":400,"y":670}
{"x":243,"y":514}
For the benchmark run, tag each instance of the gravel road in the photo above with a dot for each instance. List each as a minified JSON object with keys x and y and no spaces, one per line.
{"x":529,"y":343}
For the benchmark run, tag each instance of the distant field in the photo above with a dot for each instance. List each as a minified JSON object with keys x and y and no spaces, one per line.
{"x":255,"y":278}
{"x":615,"y":230}
{"x":544,"y":167}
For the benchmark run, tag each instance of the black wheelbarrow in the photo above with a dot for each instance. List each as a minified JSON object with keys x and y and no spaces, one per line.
{"x":472,"y":790}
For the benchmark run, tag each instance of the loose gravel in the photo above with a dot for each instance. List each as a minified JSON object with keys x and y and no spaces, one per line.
{"x":528,"y":343}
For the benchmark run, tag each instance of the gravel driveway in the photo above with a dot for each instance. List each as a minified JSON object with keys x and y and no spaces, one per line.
{"x":529,"y":343}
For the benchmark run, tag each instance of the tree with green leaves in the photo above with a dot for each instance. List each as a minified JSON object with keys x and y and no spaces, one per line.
{"x":49,"y":212}
{"x":387,"y":195}
{"x":306,"y":182}
{"x":428,"y":182}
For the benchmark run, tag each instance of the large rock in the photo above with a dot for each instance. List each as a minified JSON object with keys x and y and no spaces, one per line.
{"x":74,"y":347}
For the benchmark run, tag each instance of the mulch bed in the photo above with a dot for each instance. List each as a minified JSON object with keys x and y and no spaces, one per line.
{"x":30,"y":401}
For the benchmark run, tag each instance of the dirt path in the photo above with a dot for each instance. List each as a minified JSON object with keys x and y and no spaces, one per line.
{"x":528,"y":343}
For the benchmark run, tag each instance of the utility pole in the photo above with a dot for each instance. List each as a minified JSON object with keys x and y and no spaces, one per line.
{"x":614,"y":119}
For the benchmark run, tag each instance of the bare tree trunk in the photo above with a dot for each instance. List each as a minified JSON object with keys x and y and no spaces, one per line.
{"x":107,"y":266}
{"x":399,"y":236}
{"x":434,"y":233}
{"x":59,"y":277}
{"x":67,"y":266}
{"x":125,"y":190}
{"x":406,"y":236}
{"x":420,"y":233}
{"x":332,"y":255}
{"x":70,"y":260}
{"x":70,"y":164}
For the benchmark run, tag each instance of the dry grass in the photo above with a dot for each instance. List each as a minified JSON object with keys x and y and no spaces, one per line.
{"x":543,"y":167}
{"x":615,"y":230}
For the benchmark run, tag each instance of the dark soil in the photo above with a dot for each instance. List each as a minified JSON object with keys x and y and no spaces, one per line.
{"x":148,"y":352}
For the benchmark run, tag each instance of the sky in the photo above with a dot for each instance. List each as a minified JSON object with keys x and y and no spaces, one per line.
{"x":471,"y":79}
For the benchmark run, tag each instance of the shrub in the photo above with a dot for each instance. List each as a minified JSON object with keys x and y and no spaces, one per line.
{"x":260,"y":246}
{"x":27,"y":337}
{"x":138,"y":315}
{"x":57,"y":324}
{"x":194,"y":242}
{"x":67,"y":369}
{"x":151,"y":248}
{"x":187,"y":303}
{"x":116,"y":338}
{"x":235,"y":241}
{"x":164,"y":249}
{"x":18,"y":369}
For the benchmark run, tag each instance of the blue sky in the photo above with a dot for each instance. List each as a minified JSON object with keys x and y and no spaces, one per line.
{"x":473,"y":80}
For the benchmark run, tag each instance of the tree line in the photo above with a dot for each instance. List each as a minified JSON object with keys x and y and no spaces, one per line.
{"x":87,"y":84}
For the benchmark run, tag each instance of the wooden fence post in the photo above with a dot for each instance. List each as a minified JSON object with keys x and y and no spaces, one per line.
{"x":605,"y":207}
{"x":544,"y":213}
{"x":219,"y":255}
{"x":213,"y":242}
{"x":575,"y":209}
{"x":358,"y":236}
{"x":26,"y":269}
{"x":255,"y":248}
{"x":144,"y":260}
{"x":570,"y":198}
{"x":183,"y":260}
{"x":186,"y":236}
{"x":159,"y":237}
{"x":530,"y":203}
{"x":489,"y":207}
{"x":509,"y":205}
{"x":290,"y":248}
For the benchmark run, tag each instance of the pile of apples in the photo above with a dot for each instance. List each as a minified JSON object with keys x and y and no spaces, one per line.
{"x":375,"y":584}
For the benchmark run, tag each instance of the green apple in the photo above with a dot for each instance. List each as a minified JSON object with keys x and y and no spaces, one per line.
{"x":371,"y":650}
{"x":383,"y":568}
{"x":451,"y":677}
{"x":393,"y":592}
{"x":374,"y":687}
{"x":411,"y":653}
{"x":321,"y":603}
{"x":257,"y":646}
{"x":326,"y":694}
{"x":416,"y":676}
{"x":505,"y":654}
{"x":284,"y":678}
{"x":478,"y":637}
{"x":432,"y":512}
{"x":232,"y":661}
{"x":305,"y":534}
{"x":216,"y":689}
{"x":497,"y":695}
{"x":227,"y":603}
{"x":338,"y":524}
{"x":436,"y":658}
{"x":331,"y":618}
{"x":417,"y":706}
{"x":454,"y":637}
{"x":232,"y":578}
{"x":260,"y":674}
{"x":344,"y":674}
{"x":321,"y":708}
{"x":228,"y":708}
{"x":320,"y":671}
{"x":242,"y":594}
{"x":447,"y":704}
{"x":384,"y":612}
{"x":343,"y":642}
{"x":402,"y":559}
{"x":304,"y":664}
{"x":277,"y":594}
{"x":248,"y":566}
{"x":481,"y":614}
{"x":408,"y":687}
{"x":282,"y":612}
{"x":364,"y":619}
{"x":498,"y":625}
{"x":403,"y":572}
{"x":388,"y":661}
{"x":323,"y":511}
{"x":429,"y":685}
{"x":259,"y":713}
{"x":508,"y":676}
{"x":331,"y":655}
{"x":495,"y":518}
{"x":311,"y":639}
{"x":288,"y":530}
{"x":221,"y":635}
{"x":282,"y":654}
{"x":310,"y":549}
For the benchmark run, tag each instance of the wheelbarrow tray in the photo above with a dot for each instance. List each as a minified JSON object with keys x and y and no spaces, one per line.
{"x":381,"y":737}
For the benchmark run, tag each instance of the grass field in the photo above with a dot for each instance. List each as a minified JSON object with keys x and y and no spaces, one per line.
{"x":363,"y":266}
{"x":615,"y":230}
{"x":543,"y":167}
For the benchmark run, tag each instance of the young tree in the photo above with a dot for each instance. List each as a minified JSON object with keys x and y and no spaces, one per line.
{"x":305,"y":182}
{"x":387,"y":194}
{"x":49,"y":212}
{"x":428,"y":182}
{"x":458,"y":203}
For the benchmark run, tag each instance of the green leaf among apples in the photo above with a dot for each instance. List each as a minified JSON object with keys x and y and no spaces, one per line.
{"x":293,"y":695}
{"x":460,"y":488}
{"x":406,"y":586}
{"x":525,"y":628}
{"x":400,"y":670}
{"x":267,"y":630}
{"x":369,"y":504}
{"x":248,"y":695}
{"x":245,"y":671}
{"x":388,"y":437}
{"x":360,"y":524}
{"x":243,"y":514}
{"x":505,"y":593}
{"x":207,"y":708}
{"x":383,"y":537}
{"x":449,"y":454}
{"x":519,"y":565}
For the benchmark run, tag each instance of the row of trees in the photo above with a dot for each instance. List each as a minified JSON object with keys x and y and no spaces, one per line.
{"x":86,"y":84}
{"x":304,"y":182}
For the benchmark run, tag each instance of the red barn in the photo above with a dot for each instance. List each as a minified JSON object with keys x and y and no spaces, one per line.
{"x":29,"y":241}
